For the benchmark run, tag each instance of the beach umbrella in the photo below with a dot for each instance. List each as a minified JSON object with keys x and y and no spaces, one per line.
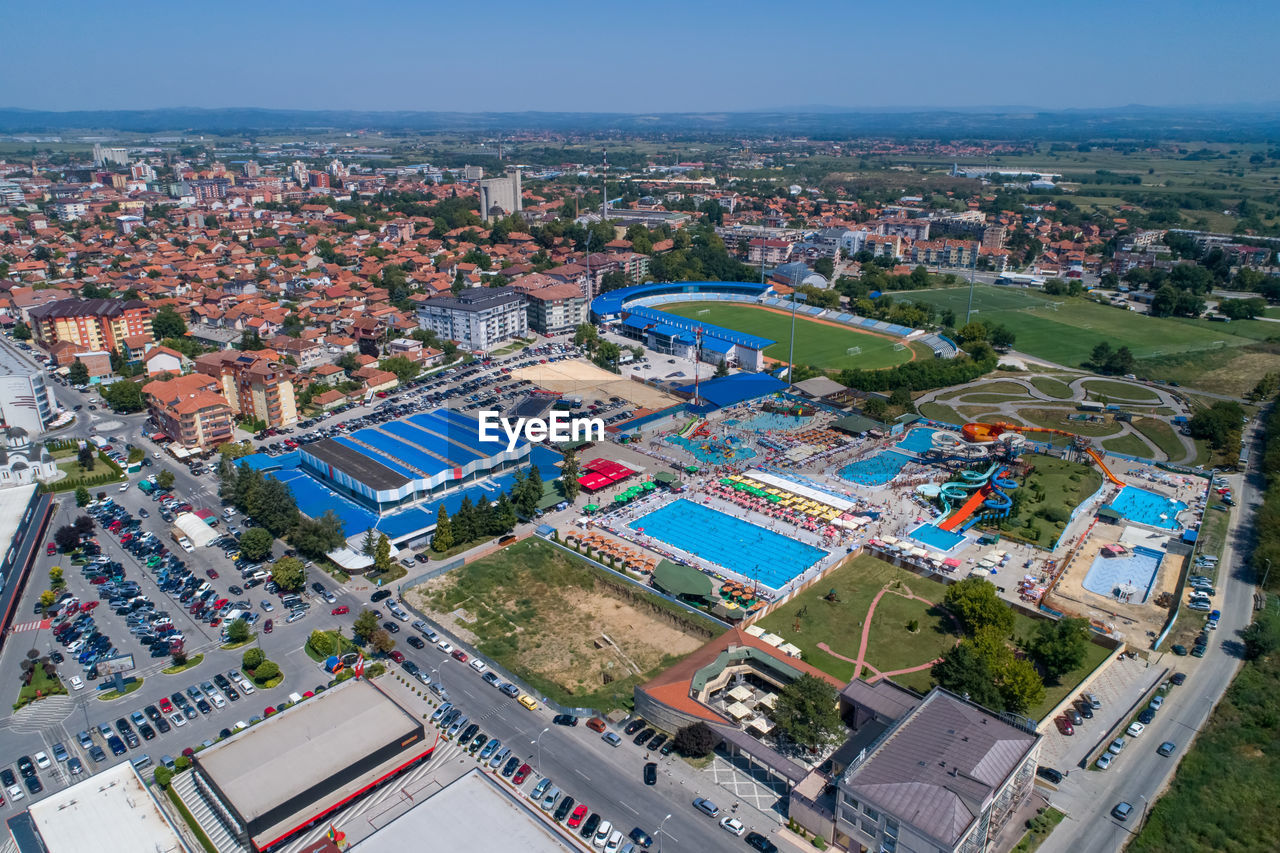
{"x":591,"y":507}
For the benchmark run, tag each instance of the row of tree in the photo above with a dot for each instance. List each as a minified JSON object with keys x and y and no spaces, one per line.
{"x":270,"y":504}
{"x":473,"y":522}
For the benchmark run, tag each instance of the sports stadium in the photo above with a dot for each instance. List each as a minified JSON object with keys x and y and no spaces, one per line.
{"x":748,"y":325}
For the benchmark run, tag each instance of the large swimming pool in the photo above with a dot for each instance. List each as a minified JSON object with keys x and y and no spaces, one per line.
{"x":1149,"y":508}
{"x":746,"y":549}
{"x":884,"y":466}
{"x":714,"y":451}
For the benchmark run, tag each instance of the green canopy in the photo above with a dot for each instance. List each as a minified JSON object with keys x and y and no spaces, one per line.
{"x":591,"y":507}
{"x":692,"y":469}
{"x":665,"y":477}
{"x":725,"y":481}
{"x":619,"y":498}
{"x":684,"y":581}
{"x":648,"y":487}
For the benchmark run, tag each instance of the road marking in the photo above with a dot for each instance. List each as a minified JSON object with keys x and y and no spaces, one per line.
{"x":583,"y":775}
{"x":627,"y":806}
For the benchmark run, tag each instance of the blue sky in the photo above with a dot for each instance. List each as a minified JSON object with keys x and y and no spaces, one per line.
{"x":653,"y":56}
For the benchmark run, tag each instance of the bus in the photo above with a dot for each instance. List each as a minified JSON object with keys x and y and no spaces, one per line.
{"x":1020,"y":280}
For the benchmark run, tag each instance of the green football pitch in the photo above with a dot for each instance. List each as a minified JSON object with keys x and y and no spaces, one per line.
{"x":1065,"y":331}
{"x":818,"y":344}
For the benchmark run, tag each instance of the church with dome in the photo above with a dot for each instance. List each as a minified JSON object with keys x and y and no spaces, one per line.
{"x":21,"y":462}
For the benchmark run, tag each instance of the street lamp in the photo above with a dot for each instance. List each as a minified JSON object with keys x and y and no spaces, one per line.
{"x":538,"y":743}
{"x":657,"y":835}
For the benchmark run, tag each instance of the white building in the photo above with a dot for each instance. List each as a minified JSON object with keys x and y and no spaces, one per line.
{"x":501,"y":196}
{"x":21,"y":462}
{"x":25,"y":400}
{"x":480,"y":318}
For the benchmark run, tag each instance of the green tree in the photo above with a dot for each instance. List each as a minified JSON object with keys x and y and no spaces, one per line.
{"x":369,"y":545}
{"x":289,"y":573}
{"x":167,"y":323}
{"x":874,"y":408}
{"x":238,"y":631}
{"x":252,"y":658}
{"x":266,"y":671}
{"x":977,"y":605}
{"x":586,"y":337}
{"x":82,"y":496}
{"x":405,"y":369}
{"x":569,"y":476}
{"x":47,"y":598}
{"x":504,"y":515}
{"x":255,"y":544}
{"x":21,"y":331}
{"x":250,"y":341}
{"x":273,"y":507}
{"x":1059,"y":647}
{"x":1262,"y":636}
{"x":227,"y":476}
{"x":315,"y":537}
{"x":442,"y":539}
{"x":165,"y":479}
{"x":1021,"y":688}
{"x":807,"y":714}
{"x":697,"y":740}
{"x":56,"y":580}
{"x":722,"y":369}
{"x":381,"y":641}
{"x":1002,"y":337}
{"x":382,"y":554}
{"x":365,"y":624}
{"x":233,"y":450}
{"x":86,"y":457}
{"x":77,"y":373}
{"x":965,"y":672}
{"x":124,"y":396}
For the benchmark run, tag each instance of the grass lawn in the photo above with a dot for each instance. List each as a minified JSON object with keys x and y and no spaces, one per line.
{"x":997,"y":387}
{"x":1052,"y":387}
{"x":818,"y":344}
{"x":1119,"y":391}
{"x":939,"y":412}
{"x":242,"y":643}
{"x":192,"y":662}
{"x":40,"y":683}
{"x":111,"y":695}
{"x":1128,"y":444}
{"x":1163,"y":435}
{"x":1054,"y":488}
{"x":1068,"y":333}
{"x":890,"y":645}
{"x":1059,"y":419}
{"x":542,"y":614}
{"x":337,"y":644}
{"x":1213,"y":528}
{"x":1023,"y":626}
{"x":1042,"y":826}
{"x":993,"y":398}
{"x":1226,"y":371}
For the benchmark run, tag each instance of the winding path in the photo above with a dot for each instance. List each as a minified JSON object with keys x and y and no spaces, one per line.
{"x":861,"y":662}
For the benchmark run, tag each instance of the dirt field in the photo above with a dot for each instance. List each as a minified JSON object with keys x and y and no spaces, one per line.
{"x":559,"y":624}
{"x":590,"y":382}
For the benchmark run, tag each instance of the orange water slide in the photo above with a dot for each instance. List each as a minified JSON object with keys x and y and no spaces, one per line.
{"x":1097,"y":457}
{"x":965,"y":510}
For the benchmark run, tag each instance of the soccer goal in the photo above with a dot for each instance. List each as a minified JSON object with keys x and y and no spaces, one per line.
{"x":899,"y":347}
{"x":702,"y":312}
{"x":853,"y":351}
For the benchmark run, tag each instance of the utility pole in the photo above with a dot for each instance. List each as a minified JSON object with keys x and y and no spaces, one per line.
{"x":973,"y":266}
{"x":791,"y":356}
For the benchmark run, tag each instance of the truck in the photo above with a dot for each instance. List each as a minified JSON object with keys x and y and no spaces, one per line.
{"x":146,"y":487}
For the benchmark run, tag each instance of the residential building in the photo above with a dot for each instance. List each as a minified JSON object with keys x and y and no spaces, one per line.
{"x":556,"y":308}
{"x":190,"y":411}
{"x":501,"y":197}
{"x":415,"y":350}
{"x":104,"y":155}
{"x":95,"y":324}
{"x":913,"y":229}
{"x":70,"y":208}
{"x":944,"y":253}
{"x":944,"y":779}
{"x":162,"y":359}
{"x":766,"y":251}
{"x":993,"y":236}
{"x":25,"y":400}
{"x":478,"y":319}
{"x":256,"y":387}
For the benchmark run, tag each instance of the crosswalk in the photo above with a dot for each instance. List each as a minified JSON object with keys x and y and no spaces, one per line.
{"x":38,"y":716}
{"x":33,"y":625}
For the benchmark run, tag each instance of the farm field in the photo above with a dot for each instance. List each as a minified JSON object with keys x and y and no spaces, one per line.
{"x":542,"y":613}
{"x":818,"y":344}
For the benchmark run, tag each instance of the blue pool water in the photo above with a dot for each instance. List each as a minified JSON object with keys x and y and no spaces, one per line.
{"x":875,"y":470}
{"x":713,"y":451}
{"x":747,"y":549}
{"x":1135,"y":570}
{"x":1144,"y":507}
{"x":936,"y":537}
{"x":766,"y":421}
{"x":918,"y":440}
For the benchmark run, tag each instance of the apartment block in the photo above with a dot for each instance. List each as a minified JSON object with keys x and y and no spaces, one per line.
{"x":255,"y":387}
{"x":95,"y":324}
{"x":190,"y":411}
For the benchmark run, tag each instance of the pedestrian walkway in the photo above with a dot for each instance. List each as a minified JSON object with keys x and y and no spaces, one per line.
{"x":33,"y":625}
{"x":752,"y":786}
{"x":41,"y":714}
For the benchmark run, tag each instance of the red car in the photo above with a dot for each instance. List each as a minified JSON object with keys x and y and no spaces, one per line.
{"x":460,"y":655}
{"x":51,"y":549}
{"x":578,"y":816}
{"x":165,"y":705}
{"x":213,"y":573}
{"x":339,"y":611}
{"x":398,"y":657}
{"x":1064,"y":725}
{"x":268,"y":711}
{"x":382,"y":395}
{"x":87,"y":606}
{"x":522,"y":774}
{"x":268,"y":627}
{"x":98,"y":580}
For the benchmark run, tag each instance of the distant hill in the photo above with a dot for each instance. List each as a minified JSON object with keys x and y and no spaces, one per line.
{"x":1234,"y":123}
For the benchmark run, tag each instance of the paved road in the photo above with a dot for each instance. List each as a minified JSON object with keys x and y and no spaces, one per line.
{"x":1139,"y":774}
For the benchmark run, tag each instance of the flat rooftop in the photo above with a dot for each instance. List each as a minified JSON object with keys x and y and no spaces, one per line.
{"x":109,"y":812}
{"x":473,"y":813}
{"x":268,"y":764}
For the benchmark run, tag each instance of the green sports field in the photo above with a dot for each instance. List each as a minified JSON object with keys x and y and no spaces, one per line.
{"x":816,"y":343}
{"x":1065,"y":331}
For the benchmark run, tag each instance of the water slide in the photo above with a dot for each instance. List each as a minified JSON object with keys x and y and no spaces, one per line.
{"x":1097,"y":457}
{"x":989,"y":490}
{"x":952,"y":521}
{"x":688,"y":428}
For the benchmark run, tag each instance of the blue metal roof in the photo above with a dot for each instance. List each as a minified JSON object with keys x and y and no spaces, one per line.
{"x":614,"y":301}
{"x":716,"y":345}
{"x":737,"y":388}
{"x":708,"y":330}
